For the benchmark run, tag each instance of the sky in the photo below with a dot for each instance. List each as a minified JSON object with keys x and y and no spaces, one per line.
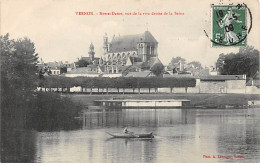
{"x":60,"y":34}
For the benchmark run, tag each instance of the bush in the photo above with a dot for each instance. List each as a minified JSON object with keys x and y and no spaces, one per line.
{"x":52,"y":112}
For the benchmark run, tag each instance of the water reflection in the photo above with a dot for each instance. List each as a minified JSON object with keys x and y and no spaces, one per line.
{"x":181,"y":136}
{"x":18,"y":146}
{"x":240,"y":136}
{"x":138,"y":117}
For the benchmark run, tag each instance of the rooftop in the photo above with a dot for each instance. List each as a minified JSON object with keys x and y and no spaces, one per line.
{"x":82,"y":70}
{"x":222,"y":77}
{"x":129,"y":42}
{"x":139,"y":74}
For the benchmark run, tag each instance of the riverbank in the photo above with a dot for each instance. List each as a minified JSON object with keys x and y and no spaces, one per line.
{"x":197,"y":100}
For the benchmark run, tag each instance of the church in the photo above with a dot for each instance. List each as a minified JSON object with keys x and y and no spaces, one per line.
{"x":132,"y":52}
{"x":91,"y":59}
{"x":123,"y":56}
{"x":141,"y":46}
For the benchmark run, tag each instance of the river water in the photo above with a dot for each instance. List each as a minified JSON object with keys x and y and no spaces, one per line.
{"x":181,"y":135}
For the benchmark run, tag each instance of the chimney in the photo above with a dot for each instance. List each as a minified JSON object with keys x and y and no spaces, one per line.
{"x":244,"y":76}
{"x":181,"y":66}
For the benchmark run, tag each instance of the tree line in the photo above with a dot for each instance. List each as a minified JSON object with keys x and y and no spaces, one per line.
{"x":246,"y":61}
{"x":119,"y":82}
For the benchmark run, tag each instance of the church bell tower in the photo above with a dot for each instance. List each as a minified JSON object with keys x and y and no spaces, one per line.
{"x":105,"y":44}
{"x":91,"y":52}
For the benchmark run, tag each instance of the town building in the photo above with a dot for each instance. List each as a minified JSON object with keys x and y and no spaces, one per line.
{"x":54,"y":68}
{"x":253,"y":84}
{"x":140,"y":74}
{"x":222,"y":84}
{"x":181,"y":68}
{"x":68,"y":66}
{"x":82,"y":72}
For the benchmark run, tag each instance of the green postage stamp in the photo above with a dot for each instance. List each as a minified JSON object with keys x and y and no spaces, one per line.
{"x":229,"y":25}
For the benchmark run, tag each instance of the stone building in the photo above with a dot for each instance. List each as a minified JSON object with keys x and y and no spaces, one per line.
{"x":138,"y":51}
{"x":223,"y":84}
{"x":91,"y":59}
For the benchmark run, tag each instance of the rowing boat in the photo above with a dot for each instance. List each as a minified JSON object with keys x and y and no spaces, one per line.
{"x":130,"y":135}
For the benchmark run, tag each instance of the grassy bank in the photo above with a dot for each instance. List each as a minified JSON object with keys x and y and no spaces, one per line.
{"x":197,"y":100}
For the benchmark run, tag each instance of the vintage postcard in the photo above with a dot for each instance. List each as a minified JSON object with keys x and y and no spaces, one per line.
{"x":130,"y":81}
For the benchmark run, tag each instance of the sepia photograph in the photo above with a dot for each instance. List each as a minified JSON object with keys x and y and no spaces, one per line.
{"x":130,"y":81}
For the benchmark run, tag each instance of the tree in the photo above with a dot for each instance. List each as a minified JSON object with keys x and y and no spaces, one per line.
{"x":157,"y":69}
{"x":246,"y":61}
{"x":220,"y":61}
{"x":63,"y":70}
{"x":174,"y":70}
{"x":18,"y":79}
{"x":18,"y":65}
{"x":177,"y":60}
{"x":175,"y":63}
{"x":83,"y":63}
{"x":196,"y":64}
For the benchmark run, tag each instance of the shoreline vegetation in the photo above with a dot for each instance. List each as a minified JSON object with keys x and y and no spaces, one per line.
{"x":52,"y":112}
{"x":21,"y":107}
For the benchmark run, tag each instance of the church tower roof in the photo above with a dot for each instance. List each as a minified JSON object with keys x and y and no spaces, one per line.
{"x":91,"y":46}
{"x":129,"y":42}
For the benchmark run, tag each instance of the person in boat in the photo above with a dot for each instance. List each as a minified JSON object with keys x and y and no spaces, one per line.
{"x":128,"y":132}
